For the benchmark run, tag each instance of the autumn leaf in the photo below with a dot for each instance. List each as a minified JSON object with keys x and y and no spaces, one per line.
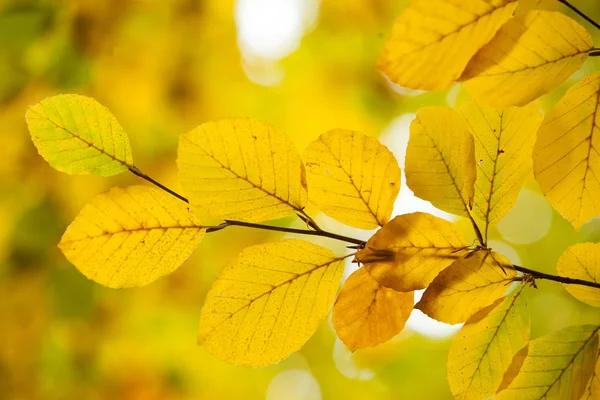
{"x":366,"y":314}
{"x":566,"y":162}
{"x":352,"y":178}
{"x":130,"y":236}
{"x":484,"y":347}
{"x":77,"y":135}
{"x":557,"y":366}
{"x":242,"y":169}
{"x":504,"y":142}
{"x":582,"y":261}
{"x":440,"y":161}
{"x":467,"y":286}
{"x":269,"y":301}
{"x":528,"y":57}
{"x":592,"y":392}
{"x":410,"y":250}
{"x":432,"y":41}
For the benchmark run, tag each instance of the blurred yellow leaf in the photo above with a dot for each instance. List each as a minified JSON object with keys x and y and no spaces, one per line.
{"x":566,"y":162}
{"x":467,"y":286}
{"x":528,"y":57}
{"x":269,"y":302}
{"x":409,"y":251}
{"x":366,"y":314}
{"x":483,"y":349}
{"x":440,"y":161}
{"x":557,"y":366}
{"x":432,"y":41}
{"x":242,"y":169}
{"x":592,"y":392}
{"x":582,"y":261}
{"x":78,"y":135}
{"x":503,"y":145}
{"x":352,"y":178}
{"x":130,"y":236}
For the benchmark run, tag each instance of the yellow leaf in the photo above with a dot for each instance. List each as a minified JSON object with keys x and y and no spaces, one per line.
{"x":528,"y":57}
{"x":566,"y":162}
{"x":352,"y":178}
{"x":582,"y":261}
{"x":592,"y":392}
{"x":557,"y":366}
{"x":467,"y":286}
{"x":78,"y":135}
{"x":130,"y":236}
{"x":440,"y":161}
{"x":242,"y":169}
{"x":503,"y":146}
{"x":483,"y":349}
{"x":366,"y":314}
{"x":269,"y":301}
{"x":409,"y":251}
{"x":432,"y":41}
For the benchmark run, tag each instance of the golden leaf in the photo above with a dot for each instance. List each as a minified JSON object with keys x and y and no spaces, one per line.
{"x":592,"y":392}
{"x":582,"y":261}
{"x":366,"y":314}
{"x":352,"y":178}
{"x":242,"y":169}
{"x":269,"y":301}
{"x":77,"y":135}
{"x":432,"y":41}
{"x":130,"y":236}
{"x":409,"y":251}
{"x":566,"y":162}
{"x":503,"y":146}
{"x":440,"y":161}
{"x":557,"y":366}
{"x":483,"y":349}
{"x":467,"y":286}
{"x":528,"y":57}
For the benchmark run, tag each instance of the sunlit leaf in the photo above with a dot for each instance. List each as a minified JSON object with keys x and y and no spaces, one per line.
{"x":440,"y":161}
{"x":366,"y":314}
{"x":130,"y":236}
{"x":269,"y":302}
{"x":528,"y":57}
{"x":241,"y":169}
{"x":78,"y":135}
{"x":557,"y":366}
{"x":484,"y":347}
{"x":566,"y":162}
{"x":592,"y":392}
{"x":503,"y":145}
{"x":352,"y":178}
{"x":410,"y":250}
{"x":432,"y":41}
{"x":582,"y":261}
{"x":467,"y":286}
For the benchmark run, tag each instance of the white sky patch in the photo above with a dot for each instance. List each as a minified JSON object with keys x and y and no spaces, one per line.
{"x":421,"y":323}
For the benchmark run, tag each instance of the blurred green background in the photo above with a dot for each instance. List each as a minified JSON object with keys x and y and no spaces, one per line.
{"x":163,"y":67}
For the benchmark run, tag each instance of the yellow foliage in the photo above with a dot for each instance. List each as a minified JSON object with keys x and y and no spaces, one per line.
{"x":592,"y":392}
{"x":269,"y":301}
{"x":352,"y":177}
{"x":467,"y":286}
{"x":504,"y":142}
{"x":366,"y":314}
{"x":130,"y":236}
{"x":483,"y":349}
{"x":566,"y":162}
{"x":557,"y":366}
{"x":440,"y":162}
{"x":528,"y":57}
{"x":242,"y":169}
{"x":432,"y":41}
{"x":582,"y":261}
{"x":78,"y":135}
{"x":409,"y":251}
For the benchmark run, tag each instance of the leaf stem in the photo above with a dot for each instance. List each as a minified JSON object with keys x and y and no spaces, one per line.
{"x":134,"y":170}
{"x":555,"y":278}
{"x":580,"y":13}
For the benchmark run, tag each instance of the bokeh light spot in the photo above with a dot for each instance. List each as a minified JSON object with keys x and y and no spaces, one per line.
{"x":528,"y":221}
{"x":426,"y":326}
{"x":294,"y":384}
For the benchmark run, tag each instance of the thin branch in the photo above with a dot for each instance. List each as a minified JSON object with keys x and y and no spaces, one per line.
{"x":142,"y":175}
{"x":580,"y":13}
{"x":555,"y":278}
